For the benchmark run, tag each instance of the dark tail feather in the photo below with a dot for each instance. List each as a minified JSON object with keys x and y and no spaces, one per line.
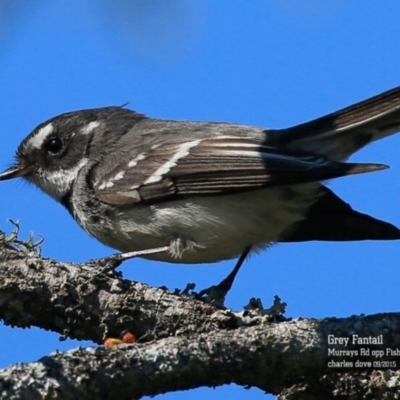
{"x":340,"y":134}
{"x":331,"y":219}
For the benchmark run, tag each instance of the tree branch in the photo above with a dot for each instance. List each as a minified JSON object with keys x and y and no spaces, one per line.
{"x":82,"y":303}
{"x":279,"y":358}
{"x":184,"y":343}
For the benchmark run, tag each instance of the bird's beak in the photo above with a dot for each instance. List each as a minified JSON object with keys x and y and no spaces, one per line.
{"x":16,"y":171}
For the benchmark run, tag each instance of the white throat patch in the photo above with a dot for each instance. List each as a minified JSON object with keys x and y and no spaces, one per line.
{"x":57,"y":183}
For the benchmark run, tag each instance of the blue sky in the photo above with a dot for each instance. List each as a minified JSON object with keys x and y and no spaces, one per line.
{"x":264,"y":63}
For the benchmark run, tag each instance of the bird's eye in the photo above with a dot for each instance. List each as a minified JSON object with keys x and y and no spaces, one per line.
{"x":53,"y":145}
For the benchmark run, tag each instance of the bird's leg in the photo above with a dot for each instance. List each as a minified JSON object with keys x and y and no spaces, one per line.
{"x":176,"y":247}
{"x":216,"y":294}
{"x":115,"y":260}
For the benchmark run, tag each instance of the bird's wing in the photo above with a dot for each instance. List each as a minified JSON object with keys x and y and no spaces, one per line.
{"x":209,"y":165}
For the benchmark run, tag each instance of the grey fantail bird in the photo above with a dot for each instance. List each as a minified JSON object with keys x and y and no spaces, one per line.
{"x":209,"y":191}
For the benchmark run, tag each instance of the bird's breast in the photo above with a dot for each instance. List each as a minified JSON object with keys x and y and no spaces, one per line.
{"x":213,"y":227}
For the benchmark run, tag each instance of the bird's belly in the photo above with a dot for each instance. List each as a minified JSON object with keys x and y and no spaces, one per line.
{"x":217,"y":227}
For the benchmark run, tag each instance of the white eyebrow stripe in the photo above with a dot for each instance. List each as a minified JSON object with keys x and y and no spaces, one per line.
{"x":183,"y":151}
{"x":37,"y":140}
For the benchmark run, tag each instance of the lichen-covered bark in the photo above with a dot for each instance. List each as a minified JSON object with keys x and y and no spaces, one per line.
{"x":183,"y":344}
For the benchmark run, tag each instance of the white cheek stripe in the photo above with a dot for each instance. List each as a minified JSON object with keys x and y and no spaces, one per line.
{"x":183,"y":151}
{"x":37,"y":140}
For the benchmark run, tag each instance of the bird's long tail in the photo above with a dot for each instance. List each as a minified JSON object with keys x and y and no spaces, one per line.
{"x":340,"y":134}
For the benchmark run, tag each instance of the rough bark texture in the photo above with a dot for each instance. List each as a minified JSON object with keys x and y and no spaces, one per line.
{"x":183,"y":343}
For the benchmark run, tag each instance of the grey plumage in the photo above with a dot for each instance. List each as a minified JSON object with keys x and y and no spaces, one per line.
{"x":209,"y":190}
